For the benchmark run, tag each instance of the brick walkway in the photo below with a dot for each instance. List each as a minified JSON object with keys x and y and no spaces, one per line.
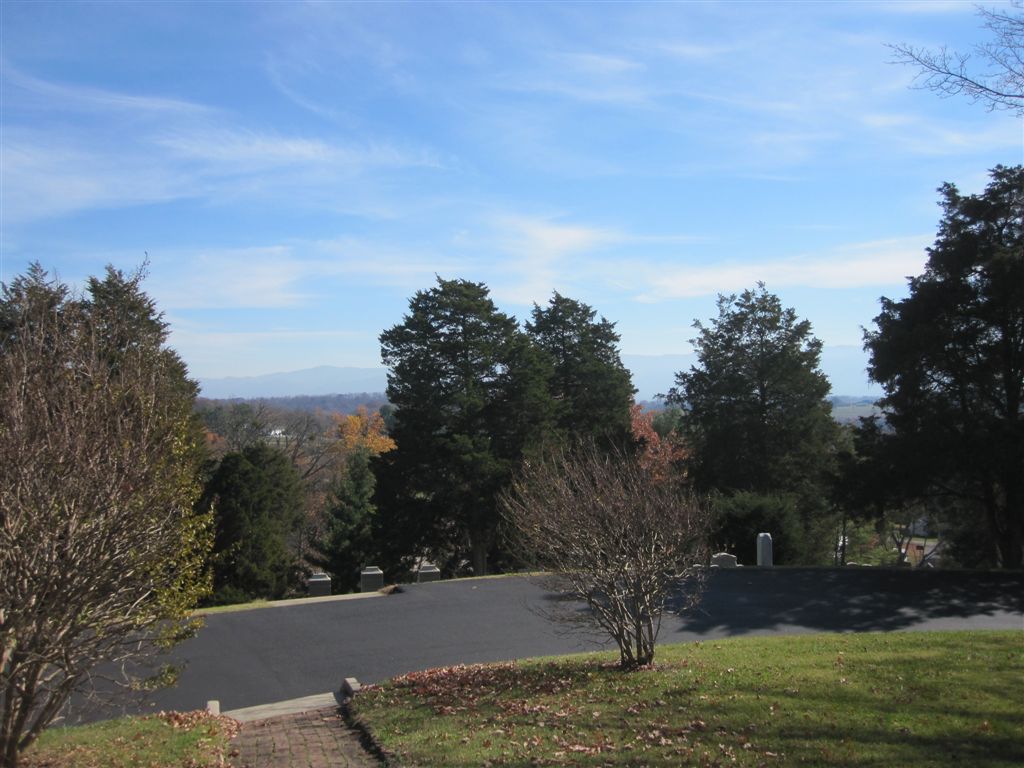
{"x":315,"y":739}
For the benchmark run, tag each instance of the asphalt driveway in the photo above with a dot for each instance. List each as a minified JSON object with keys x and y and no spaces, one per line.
{"x":271,"y":654}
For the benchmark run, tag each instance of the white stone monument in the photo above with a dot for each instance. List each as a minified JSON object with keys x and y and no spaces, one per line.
{"x":764,"y":550}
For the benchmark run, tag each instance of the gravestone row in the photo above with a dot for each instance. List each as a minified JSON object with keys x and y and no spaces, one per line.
{"x":371,"y":578}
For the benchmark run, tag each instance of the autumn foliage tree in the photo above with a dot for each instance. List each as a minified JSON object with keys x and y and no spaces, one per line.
{"x":101,"y":552}
{"x":661,"y":455}
{"x":363,"y":431}
{"x":349,"y":541}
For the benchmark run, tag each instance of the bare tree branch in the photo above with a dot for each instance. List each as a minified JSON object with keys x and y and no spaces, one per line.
{"x":999,"y":83}
{"x":101,"y":554}
{"x":615,"y":537}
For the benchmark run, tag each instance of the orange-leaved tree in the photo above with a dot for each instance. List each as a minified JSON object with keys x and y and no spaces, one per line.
{"x":348,"y":543}
{"x":363,"y":431}
{"x":661,"y":457}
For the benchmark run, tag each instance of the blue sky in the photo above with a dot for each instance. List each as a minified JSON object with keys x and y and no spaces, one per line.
{"x":296,"y":171}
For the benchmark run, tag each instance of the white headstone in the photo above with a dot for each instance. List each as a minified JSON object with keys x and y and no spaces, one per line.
{"x":764,"y":550}
{"x":724,"y":560}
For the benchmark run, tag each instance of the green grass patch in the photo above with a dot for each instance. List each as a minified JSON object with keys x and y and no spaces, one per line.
{"x":173,"y":739}
{"x":922,"y":699}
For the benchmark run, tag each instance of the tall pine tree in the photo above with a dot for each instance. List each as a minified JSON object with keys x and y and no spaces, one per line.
{"x":349,"y":542}
{"x":257,"y":501}
{"x":950,"y":357}
{"x":471,"y":397}
{"x":591,"y":387}
{"x":758,"y":424}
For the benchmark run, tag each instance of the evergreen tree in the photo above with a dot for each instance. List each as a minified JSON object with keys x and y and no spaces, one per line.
{"x":349,"y":542}
{"x":757,"y":420}
{"x":591,"y":387}
{"x":471,"y":397}
{"x":256,"y":496}
{"x":950,"y":358}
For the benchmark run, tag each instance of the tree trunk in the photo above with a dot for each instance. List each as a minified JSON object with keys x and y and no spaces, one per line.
{"x":479,"y":546}
{"x":1010,"y":542}
{"x":1013,"y":510}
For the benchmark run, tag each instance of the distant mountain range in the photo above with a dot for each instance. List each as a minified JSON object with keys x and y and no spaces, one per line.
{"x":652,"y":375}
{"x":845,"y":366}
{"x":322,"y":380}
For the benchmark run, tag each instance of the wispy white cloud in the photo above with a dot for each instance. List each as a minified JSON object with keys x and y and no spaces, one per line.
{"x":296,"y":274}
{"x":692,"y":51}
{"x":229,"y":278}
{"x":521,"y":257}
{"x":929,"y":139}
{"x":82,"y":97}
{"x":46,"y":176}
{"x":277,"y":73}
{"x":887,"y":120}
{"x":176,"y":150}
{"x":601,"y":65}
{"x":592,"y":92}
{"x":231,"y":340}
{"x":234,"y":149}
{"x":532,"y":234}
{"x":923,"y":7}
{"x":857,"y":265}
{"x":216,"y":353}
{"x":378,"y":261}
{"x":537,"y":250}
{"x":588,"y":77}
{"x":790,"y":147}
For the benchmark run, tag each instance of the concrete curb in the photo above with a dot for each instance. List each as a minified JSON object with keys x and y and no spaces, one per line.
{"x":349,"y":688}
{"x":292,"y":601}
{"x":290,"y":707}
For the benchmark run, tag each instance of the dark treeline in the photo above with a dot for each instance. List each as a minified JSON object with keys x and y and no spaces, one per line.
{"x":337,"y":403}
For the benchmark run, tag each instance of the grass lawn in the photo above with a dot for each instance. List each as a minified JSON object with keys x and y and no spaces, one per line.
{"x":168,"y":740}
{"x":912,"y":699}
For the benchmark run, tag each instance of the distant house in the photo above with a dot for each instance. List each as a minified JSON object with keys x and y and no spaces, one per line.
{"x":922,"y":550}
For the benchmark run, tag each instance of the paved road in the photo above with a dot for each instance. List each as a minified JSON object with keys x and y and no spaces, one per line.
{"x":271,"y":654}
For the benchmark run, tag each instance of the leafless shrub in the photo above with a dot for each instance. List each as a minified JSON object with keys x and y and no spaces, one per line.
{"x":614,"y":537}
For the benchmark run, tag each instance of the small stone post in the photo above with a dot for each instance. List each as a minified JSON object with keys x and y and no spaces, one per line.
{"x":428,"y":572}
{"x":764,"y":550}
{"x":371,"y":579}
{"x":318,"y":585}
